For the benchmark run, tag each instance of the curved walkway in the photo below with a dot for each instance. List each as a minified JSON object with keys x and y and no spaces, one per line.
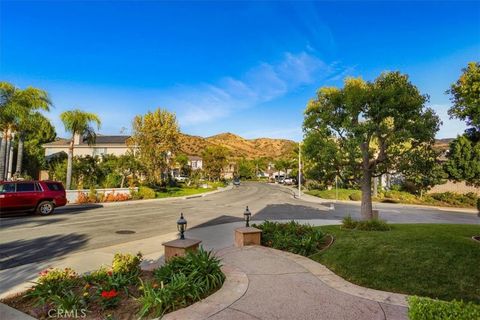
{"x":271,"y":284}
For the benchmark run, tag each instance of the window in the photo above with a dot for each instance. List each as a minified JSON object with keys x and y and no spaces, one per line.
{"x":54,"y":186}
{"x":7,"y":187}
{"x":194,"y":164}
{"x":99,"y":151}
{"x":25,"y":187}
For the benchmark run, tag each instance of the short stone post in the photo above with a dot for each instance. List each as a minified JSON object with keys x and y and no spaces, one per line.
{"x":180,"y":247}
{"x":247,"y":236}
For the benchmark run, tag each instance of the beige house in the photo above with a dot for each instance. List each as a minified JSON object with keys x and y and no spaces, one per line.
{"x":116,"y":145}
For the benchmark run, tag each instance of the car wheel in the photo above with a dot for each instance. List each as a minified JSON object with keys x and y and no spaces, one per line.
{"x":45,"y":208}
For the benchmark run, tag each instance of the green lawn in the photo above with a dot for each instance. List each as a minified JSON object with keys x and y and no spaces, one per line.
{"x":439,"y":261}
{"x":185,"y":191}
{"x":446,"y":199}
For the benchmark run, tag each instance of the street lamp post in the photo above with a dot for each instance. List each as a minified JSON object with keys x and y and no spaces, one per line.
{"x":182,"y":226}
{"x":246,"y":215}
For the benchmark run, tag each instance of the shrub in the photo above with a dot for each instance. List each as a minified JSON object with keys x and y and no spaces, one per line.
{"x":183,"y":280}
{"x":365,"y":225}
{"x":349,"y":223}
{"x":478,"y":205}
{"x":143,"y":193}
{"x":430,"y":309}
{"x":53,"y":282}
{"x":293,"y":237}
{"x":92,"y":195}
{"x":68,"y":301}
{"x":372,"y":225}
{"x":127,"y":264}
{"x":82,"y":198}
{"x":355,"y":196}
{"x":455,"y":199}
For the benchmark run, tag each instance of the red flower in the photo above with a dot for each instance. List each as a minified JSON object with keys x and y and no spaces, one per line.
{"x":109,"y":294}
{"x":110,"y":273}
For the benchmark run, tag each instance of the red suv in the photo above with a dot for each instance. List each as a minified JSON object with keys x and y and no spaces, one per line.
{"x":39,"y":196}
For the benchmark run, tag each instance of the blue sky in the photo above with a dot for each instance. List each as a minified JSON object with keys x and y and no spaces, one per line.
{"x":242,"y":67}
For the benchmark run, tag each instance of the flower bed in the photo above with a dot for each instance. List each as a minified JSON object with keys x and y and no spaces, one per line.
{"x":123,"y":291}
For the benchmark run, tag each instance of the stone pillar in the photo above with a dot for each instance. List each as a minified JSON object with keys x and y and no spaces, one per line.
{"x":178,"y":248}
{"x":247,"y":236}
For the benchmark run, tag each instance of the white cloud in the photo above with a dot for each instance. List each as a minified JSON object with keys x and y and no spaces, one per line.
{"x":262,"y":83}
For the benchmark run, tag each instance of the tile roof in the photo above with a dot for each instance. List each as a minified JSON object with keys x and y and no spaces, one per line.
{"x":99,"y":140}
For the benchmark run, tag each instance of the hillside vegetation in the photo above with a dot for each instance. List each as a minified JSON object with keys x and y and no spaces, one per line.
{"x":238,"y":146}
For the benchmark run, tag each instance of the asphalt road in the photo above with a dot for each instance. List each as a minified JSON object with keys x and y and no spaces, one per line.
{"x":28,"y":237}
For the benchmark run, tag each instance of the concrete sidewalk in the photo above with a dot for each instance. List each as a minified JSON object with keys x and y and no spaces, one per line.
{"x":272,"y":284}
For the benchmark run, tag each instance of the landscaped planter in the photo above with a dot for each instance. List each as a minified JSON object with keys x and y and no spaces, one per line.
{"x":123,"y":291}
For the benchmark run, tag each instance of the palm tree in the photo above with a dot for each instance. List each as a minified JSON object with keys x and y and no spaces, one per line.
{"x":17,"y":107}
{"x":78,"y":122}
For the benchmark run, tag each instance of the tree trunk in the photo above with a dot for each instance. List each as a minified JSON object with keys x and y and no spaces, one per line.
{"x":123,"y":181}
{"x":375,"y":186}
{"x":366,"y":207}
{"x":10,"y":160}
{"x":7,"y":153}
{"x":18,"y":170}
{"x":69,"y":166}
{"x":3,"y":152}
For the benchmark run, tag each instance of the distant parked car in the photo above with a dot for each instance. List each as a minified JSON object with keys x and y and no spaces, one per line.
{"x":39,"y":196}
{"x":181,"y":178}
{"x":236,"y":182}
{"x":288,"y":181}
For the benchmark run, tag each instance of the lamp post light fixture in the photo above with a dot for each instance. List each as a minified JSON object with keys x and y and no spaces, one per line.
{"x":182,"y":226}
{"x":246,"y":215}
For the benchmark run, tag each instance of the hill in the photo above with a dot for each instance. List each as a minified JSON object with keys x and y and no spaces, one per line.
{"x":238,"y":146}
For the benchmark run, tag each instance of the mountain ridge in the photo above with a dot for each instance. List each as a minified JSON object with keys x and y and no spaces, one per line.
{"x":237,"y":145}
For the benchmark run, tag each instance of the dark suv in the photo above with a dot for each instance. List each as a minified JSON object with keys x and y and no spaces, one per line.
{"x":39,"y":196}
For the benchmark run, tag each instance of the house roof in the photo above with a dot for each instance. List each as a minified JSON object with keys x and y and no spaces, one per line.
{"x":194,"y":158}
{"x":121,"y":140}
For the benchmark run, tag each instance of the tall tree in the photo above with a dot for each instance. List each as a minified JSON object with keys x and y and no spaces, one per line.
{"x":79,"y":123}
{"x":215,"y":158}
{"x":464,"y":153}
{"x":465,"y":96}
{"x":38,"y":131}
{"x":375,"y":126}
{"x":155,"y":139}
{"x":16,"y":108}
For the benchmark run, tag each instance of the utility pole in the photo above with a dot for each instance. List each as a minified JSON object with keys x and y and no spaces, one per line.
{"x":299,"y":169}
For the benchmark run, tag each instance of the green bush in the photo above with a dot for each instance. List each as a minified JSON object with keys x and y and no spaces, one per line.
{"x":349,"y":223}
{"x":455,"y":199}
{"x":293,"y":237}
{"x":183,"y":280}
{"x":53,"y":282}
{"x":355,"y":196}
{"x":365,"y":225}
{"x":372,"y":225}
{"x":430,"y":309}
{"x":127,"y":264}
{"x":143,"y":193}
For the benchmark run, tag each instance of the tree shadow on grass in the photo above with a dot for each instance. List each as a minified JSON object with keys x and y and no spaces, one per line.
{"x":20,"y":252}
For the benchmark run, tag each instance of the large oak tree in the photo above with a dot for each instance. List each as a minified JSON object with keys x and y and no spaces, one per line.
{"x":369,"y":128}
